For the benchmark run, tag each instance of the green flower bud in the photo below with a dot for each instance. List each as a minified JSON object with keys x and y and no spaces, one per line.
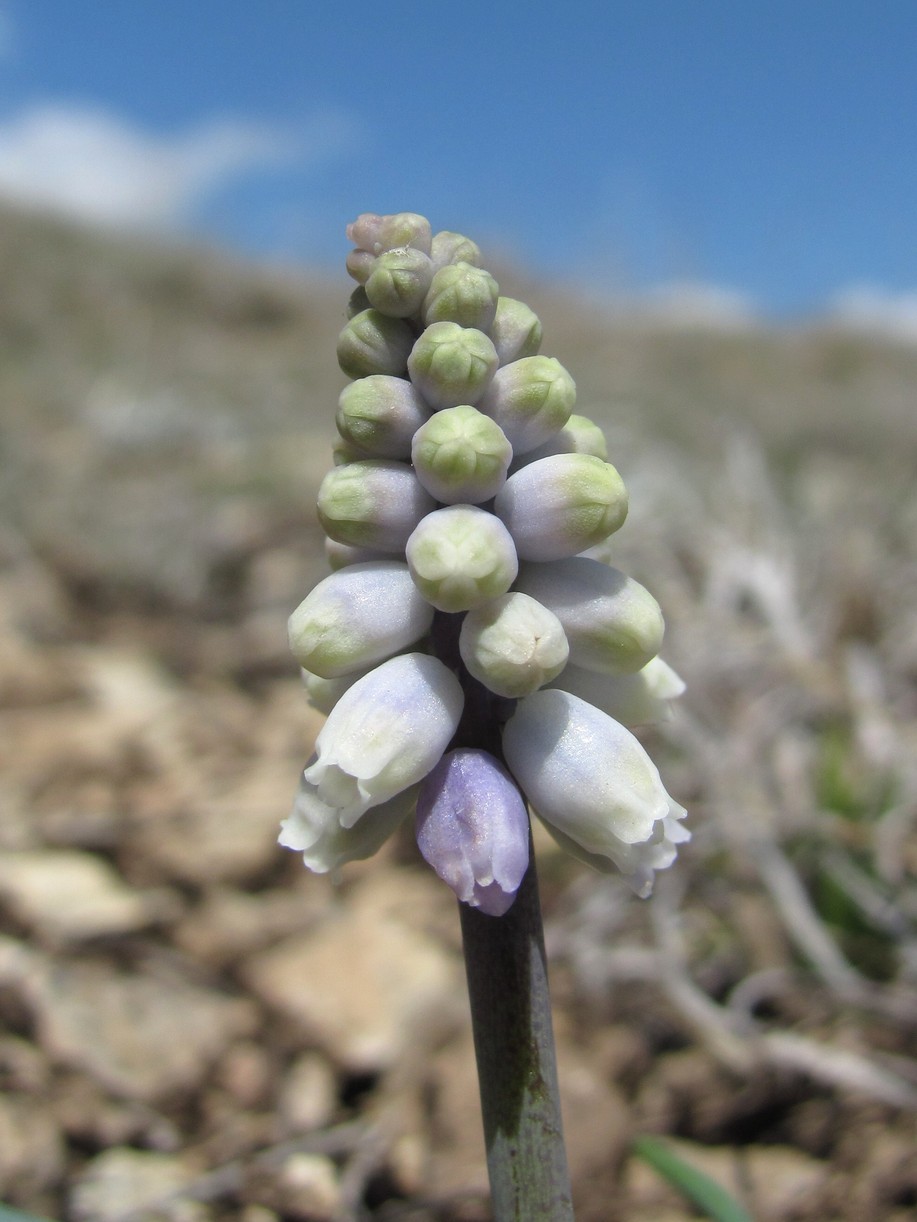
{"x":531,"y":399}
{"x":559,"y":506}
{"x":358,"y":302}
{"x":463,"y":294}
{"x":358,"y":617}
{"x":374,"y":504}
{"x":515,"y":331}
{"x":513,"y":645}
{"x":461,"y":456}
{"x":380,"y":415}
{"x":342,"y":555}
{"x":452,"y":365}
{"x":460,"y":557}
{"x":578,"y":436}
{"x":378,"y":233}
{"x":359,"y":264}
{"x":399,"y":281}
{"x":613,"y":624}
{"x":343,"y":452}
{"x":374,"y":343}
{"x":325,"y":693}
{"x":450,"y":247}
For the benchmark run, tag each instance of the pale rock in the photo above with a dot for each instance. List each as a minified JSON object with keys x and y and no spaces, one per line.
{"x":140,"y":1036}
{"x":308,"y":1188}
{"x":308,"y":1094}
{"x":124,"y":1181}
{"x":367,"y":984}
{"x":781,"y":1179}
{"x":32,"y":1151}
{"x":67,"y":896}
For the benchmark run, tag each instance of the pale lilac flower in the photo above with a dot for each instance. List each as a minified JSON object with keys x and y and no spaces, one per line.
{"x":473,"y":829}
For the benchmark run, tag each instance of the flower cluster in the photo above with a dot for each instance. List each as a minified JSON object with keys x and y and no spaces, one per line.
{"x":467,"y":647}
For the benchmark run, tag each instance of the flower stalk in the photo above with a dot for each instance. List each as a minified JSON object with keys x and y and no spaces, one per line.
{"x":506,"y":969}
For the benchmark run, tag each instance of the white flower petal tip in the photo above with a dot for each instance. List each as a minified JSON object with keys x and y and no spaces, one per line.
{"x":384,"y":734}
{"x":473,"y":829}
{"x":314,"y":830}
{"x":593,"y":784}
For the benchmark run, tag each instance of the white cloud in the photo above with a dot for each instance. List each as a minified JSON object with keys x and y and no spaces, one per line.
{"x":91,"y":164}
{"x":690,"y":303}
{"x":876,"y":311}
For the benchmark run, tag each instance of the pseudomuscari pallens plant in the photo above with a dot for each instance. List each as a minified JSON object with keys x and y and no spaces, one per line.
{"x":475,"y":658}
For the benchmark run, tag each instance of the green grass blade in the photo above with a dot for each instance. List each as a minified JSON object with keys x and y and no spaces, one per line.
{"x":694,"y":1185}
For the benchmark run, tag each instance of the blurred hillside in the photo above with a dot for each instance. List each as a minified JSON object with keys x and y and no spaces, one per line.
{"x":166,"y":415}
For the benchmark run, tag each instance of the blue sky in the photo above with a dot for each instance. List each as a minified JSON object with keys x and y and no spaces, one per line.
{"x":768,"y":151}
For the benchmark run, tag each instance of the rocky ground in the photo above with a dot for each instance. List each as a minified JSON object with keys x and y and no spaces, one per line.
{"x":192,"y":1028}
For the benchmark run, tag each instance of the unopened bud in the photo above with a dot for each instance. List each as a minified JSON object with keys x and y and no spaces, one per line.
{"x":613,"y":624}
{"x":513,"y":645}
{"x":374,"y":343}
{"x":515,"y":331}
{"x":357,"y":302}
{"x":530,"y":399}
{"x":448,"y":247}
{"x":373,"y":504}
{"x":461,"y":456}
{"x":561,"y":505}
{"x":343,"y":452}
{"x":359,"y":264}
{"x":342,"y":555}
{"x":451,"y":365}
{"x":463,"y":294}
{"x":580,"y":435}
{"x":380,"y":414}
{"x":399,"y":281}
{"x":376,"y":233}
{"x":357,"y":617}
{"x":460,"y":557}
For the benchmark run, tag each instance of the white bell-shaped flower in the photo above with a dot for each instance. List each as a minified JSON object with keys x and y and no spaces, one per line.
{"x":593,"y":784}
{"x":385,"y":734}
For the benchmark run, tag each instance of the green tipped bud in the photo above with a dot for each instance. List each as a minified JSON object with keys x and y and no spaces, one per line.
{"x":359,"y":264}
{"x":513,"y":645}
{"x":452,"y":365}
{"x":343,"y":452}
{"x":613,"y":624}
{"x":460,"y":557}
{"x":399,"y":281}
{"x":516,"y":330}
{"x":325,"y":693}
{"x":378,"y":233}
{"x":463,"y":294}
{"x":579,"y":435}
{"x":357,"y":303}
{"x":342,"y":555}
{"x":561,"y":505}
{"x":357,"y":617}
{"x":450,"y":247}
{"x":531,"y":399}
{"x":380,"y":415}
{"x":374,"y":343}
{"x":461,"y":456}
{"x":374,"y":504}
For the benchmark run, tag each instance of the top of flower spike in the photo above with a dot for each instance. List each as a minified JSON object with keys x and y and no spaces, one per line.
{"x":464,"y":495}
